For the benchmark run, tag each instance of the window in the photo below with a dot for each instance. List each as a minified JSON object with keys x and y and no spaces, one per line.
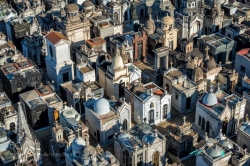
{"x":12,"y":126}
{"x":199,"y":123}
{"x":176,"y":96}
{"x":110,"y":137}
{"x":165,"y":110}
{"x":65,"y":76}
{"x":189,"y":144}
{"x":242,"y":69}
{"x":156,"y":158}
{"x":151,"y":116}
{"x":171,"y":44}
{"x":125,"y":125}
{"x":51,"y":51}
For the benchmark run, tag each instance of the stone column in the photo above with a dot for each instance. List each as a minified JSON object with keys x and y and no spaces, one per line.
{"x":135,"y":49}
{"x":166,"y":61}
{"x":157,"y":62}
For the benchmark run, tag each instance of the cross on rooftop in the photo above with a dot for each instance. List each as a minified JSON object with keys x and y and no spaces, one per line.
{"x":171,"y":64}
{"x":65,"y":103}
{"x":184,"y":119}
{"x":77,"y":130}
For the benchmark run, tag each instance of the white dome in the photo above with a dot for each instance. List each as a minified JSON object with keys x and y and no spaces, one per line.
{"x":78,"y":144}
{"x":215,"y":151}
{"x":101,"y":106}
{"x":123,"y":136}
{"x":226,"y":144}
{"x":210,"y":99}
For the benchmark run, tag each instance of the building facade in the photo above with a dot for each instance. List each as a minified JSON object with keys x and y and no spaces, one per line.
{"x":58,"y":61}
{"x":141,"y":145}
{"x":149,"y":102}
{"x":104,"y":118}
{"x":218,"y":111}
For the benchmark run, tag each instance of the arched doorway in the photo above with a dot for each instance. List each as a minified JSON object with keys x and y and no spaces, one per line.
{"x":125,"y":125}
{"x":207,"y":127}
{"x":126,"y":159}
{"x":77,"y":107}
{"x":165,"y":110}
{"x":93,"y":65}
{"x":12,"y":126}
{"x":151,"y":116}
{"x":116,"y":16}
{"x":203,"y":124}
{"x":224,"y":126}
{"x":29,"y":155}
{"x":140,"y":163}
{"x":126,"y":16}
{"x":142,"y":13}
{"x":167,"y":87}
{"x":98,"y":136}
{"x":156,"y":158}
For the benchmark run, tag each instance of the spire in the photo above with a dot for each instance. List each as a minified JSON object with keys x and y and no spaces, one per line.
{"x":150,"y":16}
{"x":22,"y":126}
{"x":117,"y":50}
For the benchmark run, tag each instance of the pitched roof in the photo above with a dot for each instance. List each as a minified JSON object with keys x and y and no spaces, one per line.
{"x":54,"y":37}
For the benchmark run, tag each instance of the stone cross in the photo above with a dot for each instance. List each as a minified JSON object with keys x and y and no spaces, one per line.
{"x":64,"y":103}
{"x":77,"y":130}
{"x":206,"y":136}
{"x":206,"y":49}
{"x":221,"y":131}
{"x":166,"y":160}
{"x":184,"y":119}
{"x":171,"y":64}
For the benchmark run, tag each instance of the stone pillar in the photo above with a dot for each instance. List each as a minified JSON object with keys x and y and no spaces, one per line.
{"x":158,"y":62}
{"x":135,"y":49}
{"x":166,"y":61}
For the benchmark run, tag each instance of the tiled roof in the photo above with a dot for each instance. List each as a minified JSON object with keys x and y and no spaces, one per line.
{"x":54,"y":37}
{"x":95,"y":41}
{"x":243,"y":51}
